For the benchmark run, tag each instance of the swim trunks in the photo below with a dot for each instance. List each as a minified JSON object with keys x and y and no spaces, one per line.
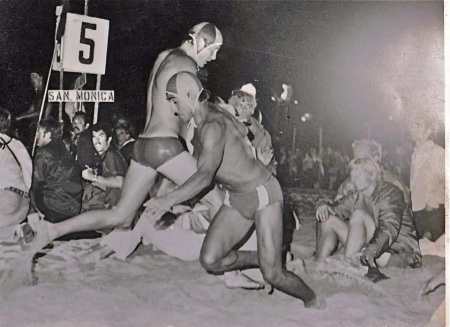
{"x":262,"y":197}
{"x":155,"y":151}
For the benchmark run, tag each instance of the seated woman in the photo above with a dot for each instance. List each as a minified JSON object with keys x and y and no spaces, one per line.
{"x":380,"y":224}
{"x":15,"y":180}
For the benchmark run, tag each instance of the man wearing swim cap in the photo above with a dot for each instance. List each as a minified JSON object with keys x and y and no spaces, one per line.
{"x":253,"y":195}
{"x":158,"y":149}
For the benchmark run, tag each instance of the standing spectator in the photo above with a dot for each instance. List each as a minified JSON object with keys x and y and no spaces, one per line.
{"x":103,"y":189}
{"x":82,"y":147}
{"x":15,"y":179}
{"x":243,"y":105}
{"x":56,"y":187}
{"x":124,"y":138}
{"x":427,"y":182}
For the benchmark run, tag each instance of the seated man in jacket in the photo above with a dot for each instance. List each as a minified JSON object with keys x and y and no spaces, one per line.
{"x":380,"y":223}
{"x":104,"y":183}
{"x":361,"y":149}
{"x":56,"y":186}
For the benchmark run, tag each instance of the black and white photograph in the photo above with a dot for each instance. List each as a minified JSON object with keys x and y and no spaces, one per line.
{"x":223,"y":163}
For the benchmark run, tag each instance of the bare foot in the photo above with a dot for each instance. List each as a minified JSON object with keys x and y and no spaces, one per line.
{"x":236,"y":279}
{"x":41,"y":236}
{"x":317,"y":303}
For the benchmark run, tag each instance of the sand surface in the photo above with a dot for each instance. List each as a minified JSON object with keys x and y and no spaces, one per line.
{"x":153,"y":289}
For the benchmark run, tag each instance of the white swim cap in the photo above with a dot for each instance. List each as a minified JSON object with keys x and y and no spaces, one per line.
{"x":183,"y":83}
{"x":208,"y":32}
{"x":249,"y":89}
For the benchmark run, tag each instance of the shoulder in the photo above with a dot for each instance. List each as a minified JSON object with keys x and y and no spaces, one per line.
{"x":388,"y":190}
{"x":177,"y":58}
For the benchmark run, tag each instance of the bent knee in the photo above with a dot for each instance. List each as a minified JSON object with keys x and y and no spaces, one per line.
{"x":209,"y":262}
{"x":360,"y":216}
{"x":329,"y":223}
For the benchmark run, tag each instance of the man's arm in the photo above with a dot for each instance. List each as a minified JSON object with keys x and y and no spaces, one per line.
{"x":212,"y":150}
{"x":390,"y":217}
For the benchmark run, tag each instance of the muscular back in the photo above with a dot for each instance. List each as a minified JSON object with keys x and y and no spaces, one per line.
{"x":161,"y":122}
{"x":239,"y":171}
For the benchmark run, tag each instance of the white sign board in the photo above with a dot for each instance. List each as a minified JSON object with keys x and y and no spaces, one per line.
{"x":84,"y":45}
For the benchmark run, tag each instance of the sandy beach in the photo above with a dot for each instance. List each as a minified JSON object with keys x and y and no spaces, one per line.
{"x":153,"y":289}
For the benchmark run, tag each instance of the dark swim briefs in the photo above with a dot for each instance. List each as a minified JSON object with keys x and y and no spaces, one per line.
{"x":155,"y":151}
{"x":262,"y":197}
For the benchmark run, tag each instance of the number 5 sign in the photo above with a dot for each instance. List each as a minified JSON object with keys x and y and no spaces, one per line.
{"x":84,"y":45}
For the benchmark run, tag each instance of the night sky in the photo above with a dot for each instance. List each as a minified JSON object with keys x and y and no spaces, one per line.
{"x":350,"y":63}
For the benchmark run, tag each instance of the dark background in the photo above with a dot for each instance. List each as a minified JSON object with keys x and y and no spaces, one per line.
{"x":352,"y":65}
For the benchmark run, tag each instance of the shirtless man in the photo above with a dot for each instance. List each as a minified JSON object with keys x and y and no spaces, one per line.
{"x":253,"y":195}
{"x":158,"y":149}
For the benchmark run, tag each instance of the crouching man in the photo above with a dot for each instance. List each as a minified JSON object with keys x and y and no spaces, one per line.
{"x":373,"y":220}
{"x":253,"y":195}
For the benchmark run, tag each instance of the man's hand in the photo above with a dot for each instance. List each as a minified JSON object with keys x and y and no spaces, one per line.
{"x":322,"y":212}
{"x":264,"y":155}
{"x":89,"y":174}
{"x":368,"y":257}
{"x":156,"y":207}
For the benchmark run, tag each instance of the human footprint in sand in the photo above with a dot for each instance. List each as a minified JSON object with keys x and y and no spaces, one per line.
{"x":253,"y":195}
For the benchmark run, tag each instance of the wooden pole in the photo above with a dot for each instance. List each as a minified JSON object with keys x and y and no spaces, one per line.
{"x":97,"y":88}
{"x":61,"y":87}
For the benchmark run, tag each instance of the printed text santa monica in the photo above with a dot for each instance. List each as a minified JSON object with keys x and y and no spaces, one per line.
{"x":80,"y":96}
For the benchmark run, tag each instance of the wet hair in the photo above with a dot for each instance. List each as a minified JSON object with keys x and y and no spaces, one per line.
{"x":82,"y":114}
{"x":5,"y":120}
{"x":373,"y":148}
{"x":367,"y":164}
{"x":52,"y":126}
{"x":105,"y":127}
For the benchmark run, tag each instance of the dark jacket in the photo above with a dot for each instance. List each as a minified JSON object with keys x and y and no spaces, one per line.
{"x":84,"y":150}
{"x":56,"y":180}
{"x":395,"y":232}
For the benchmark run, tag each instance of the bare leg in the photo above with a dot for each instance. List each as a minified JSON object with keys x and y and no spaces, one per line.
{"x":226,"y":230}
{"x":183,"y":166}
{"x":331,"y":231}
{"x":138,"y":181}
{"x":269,"y":230}
{"x":360,"y":231}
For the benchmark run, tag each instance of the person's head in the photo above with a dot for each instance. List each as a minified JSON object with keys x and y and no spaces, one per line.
{"x":367,"y":148}
{"x":80,"y":122}
{"x":206,"y":40}
{"x":36,"y":81}
{"x":422,"y":130}
{"x":101,"y":137}
{"x":122,"y":131}
{"x":244,"y":100}
{"x":48,"y":130}
{"x":5,"y":120}
{"x":364,"y":172}
{"x":184,"y":91}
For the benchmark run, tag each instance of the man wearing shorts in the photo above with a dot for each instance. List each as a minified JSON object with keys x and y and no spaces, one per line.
{"x":222,"y":153}
{"x":158,"y":149}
